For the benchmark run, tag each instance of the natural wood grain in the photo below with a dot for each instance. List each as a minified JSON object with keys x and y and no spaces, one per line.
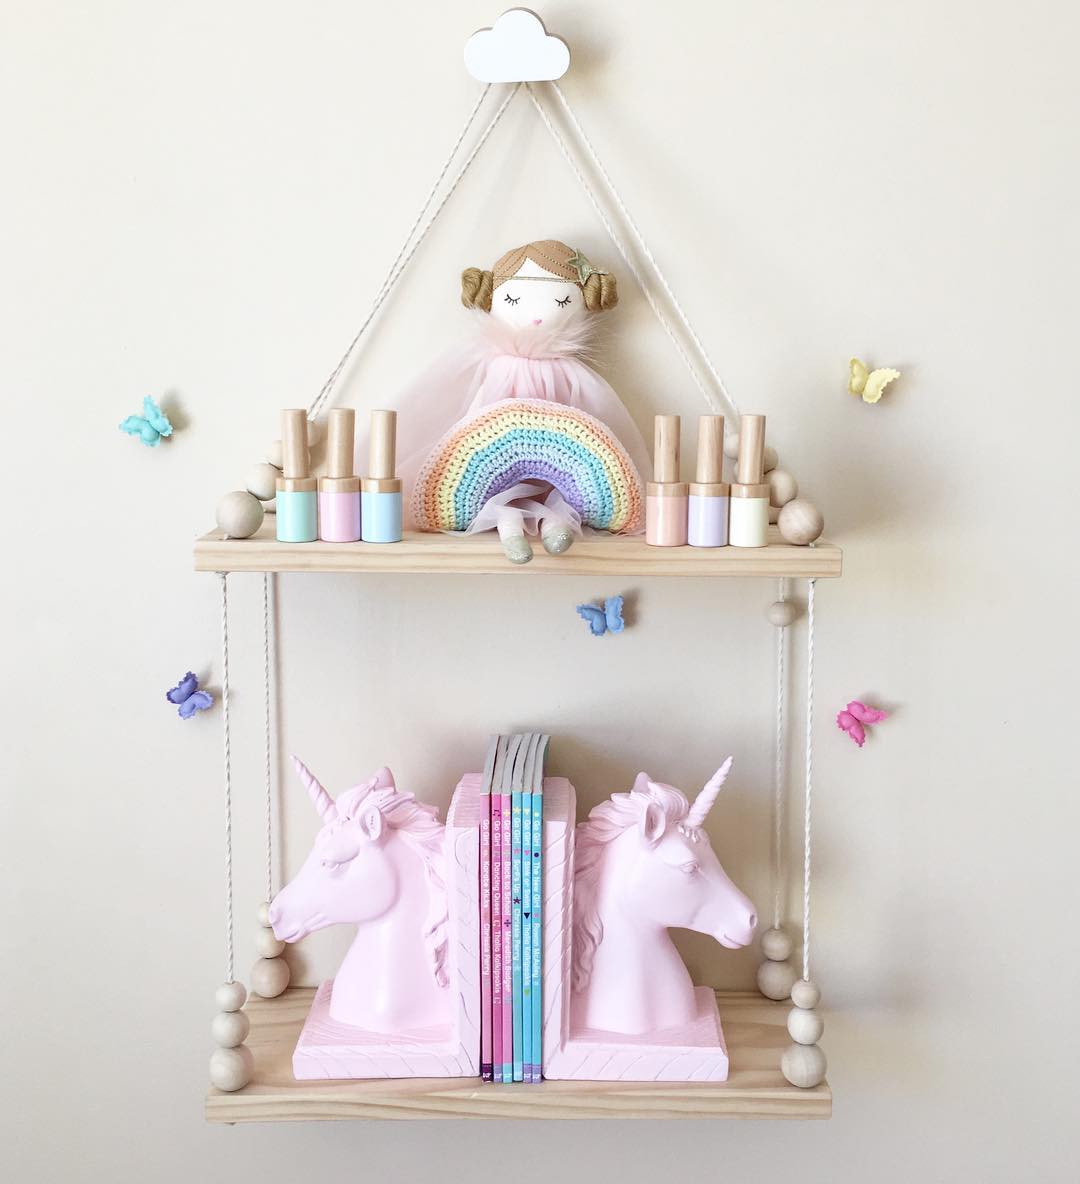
{"x":607,"y":555}
{"x":755,"y":1033}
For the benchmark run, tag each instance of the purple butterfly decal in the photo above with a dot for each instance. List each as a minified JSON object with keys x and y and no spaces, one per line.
{"x":856,"y":717}
{"x":188,"y":697}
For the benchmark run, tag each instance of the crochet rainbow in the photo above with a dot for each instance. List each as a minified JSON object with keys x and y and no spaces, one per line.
{"x":529,"y":439}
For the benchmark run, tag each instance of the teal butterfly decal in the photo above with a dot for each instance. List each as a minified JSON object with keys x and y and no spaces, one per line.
{"x":603,"y":620}
{"x":150,"y":426}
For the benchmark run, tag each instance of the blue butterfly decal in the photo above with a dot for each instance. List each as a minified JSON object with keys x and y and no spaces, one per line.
{"x":150,"y":426}
{"x":603,"y":620}
{"x":187,"y":695}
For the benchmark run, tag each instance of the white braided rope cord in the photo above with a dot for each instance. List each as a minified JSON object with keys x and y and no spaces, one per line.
{"x":230,"y":962}
{"x":268,"y":771}
{"x":409,"y":246}
{"x":779,"y":771}
{"x":809,"y":787}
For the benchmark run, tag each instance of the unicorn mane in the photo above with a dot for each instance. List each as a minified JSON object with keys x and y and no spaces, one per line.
{"x":418,"y":825}
{"x":607,"y":822}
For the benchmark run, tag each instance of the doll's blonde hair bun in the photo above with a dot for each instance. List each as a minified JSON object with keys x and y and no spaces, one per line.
{"x":476,"y":288}
{"x":600,"y":292}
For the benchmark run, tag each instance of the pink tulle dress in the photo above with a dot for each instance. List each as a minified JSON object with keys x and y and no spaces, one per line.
{"x":499,"y":361}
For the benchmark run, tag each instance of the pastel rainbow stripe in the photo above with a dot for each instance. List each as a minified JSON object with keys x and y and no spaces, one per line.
{"x":529,"y":439}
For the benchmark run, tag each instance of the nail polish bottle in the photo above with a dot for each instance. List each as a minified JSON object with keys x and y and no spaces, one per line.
{"x":339,"y":490}
{"x":380,"y":490}
{"x":666,"y":496}
{"x":707,"y":520}
{"x":749,"y":526}
{"x":297,"y":516}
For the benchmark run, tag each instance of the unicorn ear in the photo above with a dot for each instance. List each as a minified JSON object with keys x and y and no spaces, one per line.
{"x":384,"y":779}
{"x":641,"y":783}
{"x":371,"y":822}
{"x":653,"y":824}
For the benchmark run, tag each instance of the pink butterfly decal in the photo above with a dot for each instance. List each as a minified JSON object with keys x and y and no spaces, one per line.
{"x":853,"y":718}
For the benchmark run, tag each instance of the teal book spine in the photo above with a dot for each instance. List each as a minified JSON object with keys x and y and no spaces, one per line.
{"x":526,"y":933}
{"x":515,"y":930}
{"x":537,"y":927}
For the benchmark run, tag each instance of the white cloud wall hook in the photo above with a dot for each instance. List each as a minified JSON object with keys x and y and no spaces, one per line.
{"x":517,"y":48}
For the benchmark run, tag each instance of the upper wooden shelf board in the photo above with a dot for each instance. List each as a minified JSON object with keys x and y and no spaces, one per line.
{"x":435,"y":554}
{"x":754,"y":1029}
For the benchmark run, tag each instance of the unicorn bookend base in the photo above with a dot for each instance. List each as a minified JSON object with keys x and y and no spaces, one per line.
{"x":383,"y":862}
{"x":642,"y":863}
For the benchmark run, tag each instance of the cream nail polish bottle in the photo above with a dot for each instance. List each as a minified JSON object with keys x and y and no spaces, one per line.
{"x":749,"y":524}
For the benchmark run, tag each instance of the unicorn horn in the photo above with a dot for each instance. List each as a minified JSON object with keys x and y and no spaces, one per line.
{"x":322,"y":801}
{"x":703,"y":803}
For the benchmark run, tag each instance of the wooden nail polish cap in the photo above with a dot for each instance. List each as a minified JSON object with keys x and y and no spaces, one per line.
{"x":294,"y":449}
{"x":666,"y":449}
{"x":341,"y":443}
{"x":710,"y":451}
{"x":750,"y":469}
{"x":382,"y":451}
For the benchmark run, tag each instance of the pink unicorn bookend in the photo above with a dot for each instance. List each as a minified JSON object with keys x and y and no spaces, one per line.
{"x":643,"y":863}
{"x":405,"y":1001}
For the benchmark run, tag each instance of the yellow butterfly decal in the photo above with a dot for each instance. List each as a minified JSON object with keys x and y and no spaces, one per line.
{"x":869,"y":383}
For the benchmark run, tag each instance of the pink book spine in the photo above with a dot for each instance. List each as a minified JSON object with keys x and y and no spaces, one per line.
{"x":485,"y":942}
{"x":495,"y":935}
{"x":507,"y":948}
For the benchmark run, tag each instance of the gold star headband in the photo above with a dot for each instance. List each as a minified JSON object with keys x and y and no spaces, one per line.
{"x":577,"y":261}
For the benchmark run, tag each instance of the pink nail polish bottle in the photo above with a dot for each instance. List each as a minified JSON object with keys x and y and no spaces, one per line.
{"x":339,"y":490}
{"x":707,"y":524}
{"x":666,"y":496}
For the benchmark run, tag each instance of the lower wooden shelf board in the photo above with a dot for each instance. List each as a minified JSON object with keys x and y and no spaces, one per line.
{"x":754,"y":1028}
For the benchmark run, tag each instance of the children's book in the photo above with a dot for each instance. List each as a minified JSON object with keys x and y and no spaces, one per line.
{"x":536,"y":921}
{"x":526,"y":907}
{"x":497,"y":911}
{"x":522,"y":772}
{"x":506,"y":1075}
{"x":485,"y":911}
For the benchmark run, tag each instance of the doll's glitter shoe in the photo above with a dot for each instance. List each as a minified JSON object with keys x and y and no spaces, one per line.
{"x":557,"y":539}
{"x":516,"y":548}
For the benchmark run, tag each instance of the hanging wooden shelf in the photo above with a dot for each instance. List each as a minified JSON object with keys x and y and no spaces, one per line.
{"x":754,"y":1028}
{"x":438,"y":554}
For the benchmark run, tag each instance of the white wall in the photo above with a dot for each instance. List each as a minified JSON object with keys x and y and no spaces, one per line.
{"x":201,"y":198}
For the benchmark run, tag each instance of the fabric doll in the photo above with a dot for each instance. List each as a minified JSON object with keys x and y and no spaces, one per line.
{"x":534,"y":317}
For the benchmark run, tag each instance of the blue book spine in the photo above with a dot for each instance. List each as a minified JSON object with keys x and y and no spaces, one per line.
{"x":526,"y":935}
{"x":537,"y":926}
{"x":515,"y":930}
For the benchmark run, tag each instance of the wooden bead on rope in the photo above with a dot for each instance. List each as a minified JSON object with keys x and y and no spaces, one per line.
{"x":774,"y":514}
{"x":261,"y":481}
{"x":805,"y":993}
{"x":230,"y":996}
{"x":239,"y":514}
{"x":770,"y":459}
{"x":803,"y":1065}
{"x":782,"y":613}
{"x":783,"y":487}
{"x":775,"y":979}
{"x":800,"y":522}
{"x":266,"y":944}
{"x":231,"y":1068}
{"x":805,"y":1026}
{"x":275,"y":455}
{"x":230,"y":1028}
{"x":775,"y":943}
{"x":269,"y":977}
{"x":262,"y":913}
{"x":731,"y":445}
